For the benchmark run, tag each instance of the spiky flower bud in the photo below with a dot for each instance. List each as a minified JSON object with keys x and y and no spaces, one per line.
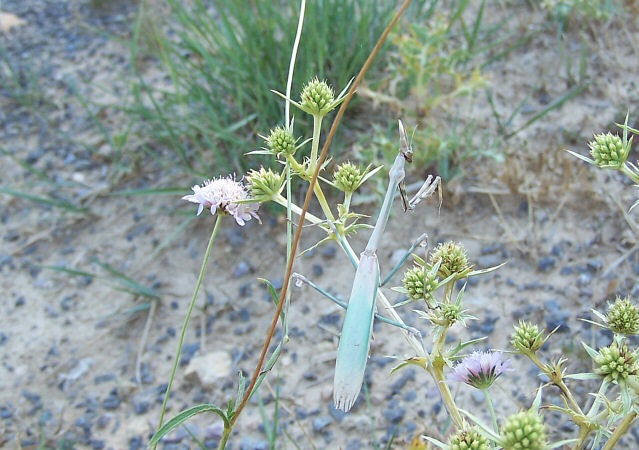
{"x":453,"y":258}
{"x":419,"y":285}
{"x":623,"y":317}
{"x":524,"y":431}
{"x":608,"y":150}
{"x":527,"y":338}
{"x":317,"y":97}
{"x":469,"y":439}
{"x":348,"y":177}
{"x":281,"y":140}
{"x":616,"y":362}
{"x":452,"y":312}
{"x":264,"y":184}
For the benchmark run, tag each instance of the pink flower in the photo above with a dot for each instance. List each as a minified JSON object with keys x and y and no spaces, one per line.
{"x":221,"y":195}
{"x":480,"y":369}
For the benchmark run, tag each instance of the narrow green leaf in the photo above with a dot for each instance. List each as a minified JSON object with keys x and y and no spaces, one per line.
{"x":183,"y":417}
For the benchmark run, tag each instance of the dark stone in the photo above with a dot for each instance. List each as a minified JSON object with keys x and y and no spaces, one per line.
{"x":546,"y":264}
{"x":329,"y":251}
{"x":188,"y":351}
{"x":112,"y":401}
{"x":394,"y":413}
{"x":318,"y":270}
{"x":320,"y":423}
{"x":242,"y":269}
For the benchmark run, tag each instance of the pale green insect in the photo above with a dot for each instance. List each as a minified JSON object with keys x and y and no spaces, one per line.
{"x":354,"y":344}
{"x":356,"y":333}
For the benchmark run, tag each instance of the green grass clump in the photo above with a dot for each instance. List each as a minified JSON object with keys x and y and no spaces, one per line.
{"x":224,"y":60}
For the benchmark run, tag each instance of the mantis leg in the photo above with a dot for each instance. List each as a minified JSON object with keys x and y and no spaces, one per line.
{"x":301,"y":279}
{"x":418,"y":241}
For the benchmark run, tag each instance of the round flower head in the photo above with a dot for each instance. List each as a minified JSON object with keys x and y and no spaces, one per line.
{"x":318,"y":97}
{"x":623,"y":317}
{"x":527,"y":338}
{"x":480,"y":369}
{"x":453,"y":257}
{"x":221,"y":195}
{"x":420,"y":285}
{"x":608,"y":150}
{"x":616,"y":362}
{"x":468,"y":439}
{"x":524,"y":430}
{"x":281,"y":140}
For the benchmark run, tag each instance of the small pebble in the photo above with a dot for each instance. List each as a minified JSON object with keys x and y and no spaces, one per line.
{"x":329,"y":251}
{"x":246,"y":290}
{"x":394,"y":413}
{"x":242,"y":269}
{"x":318,"y":270}
{"x":137,"y":443}
{"x":546,"y":264}
{"x":140,"y":406}
{"x":320,"y":423}
{"x":112,"y":401}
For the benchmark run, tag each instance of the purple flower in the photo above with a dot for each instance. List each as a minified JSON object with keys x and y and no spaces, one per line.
{"x":480,"y":369}
{"x":221,"y":195}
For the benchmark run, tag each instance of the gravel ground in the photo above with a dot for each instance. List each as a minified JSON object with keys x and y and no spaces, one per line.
{"x":72,"y":374}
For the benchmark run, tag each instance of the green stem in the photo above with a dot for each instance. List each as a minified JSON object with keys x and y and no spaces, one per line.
{"x":326,"y":209}
{"x":491,"y":408}
{"x":557,"y":380}
{"x":620,"y":431}
{"x":188,"y":316}
{"x":225,"y":437}
{"x":317,"y":127}
{"x":283,"y":201}
{"x":444,"y":392}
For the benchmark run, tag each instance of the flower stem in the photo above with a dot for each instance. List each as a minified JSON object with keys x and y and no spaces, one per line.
{"x":317,"y":127}
{"x":620,"y":431}
{"x":491,"y":408}
{"x":188,"y":316}
{"x":225,"y":437}
{"x":437,"y":372}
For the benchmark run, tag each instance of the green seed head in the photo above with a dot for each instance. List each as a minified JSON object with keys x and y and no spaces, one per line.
{"x":451,"y":312}
{"x":264,"y":184}
{"x":347,"y":177}
{"x":453,"y":258}
{"x":317,"y":97}
{"x":281,"y":140}
{"x":608,"y":150}
{"x":527,"y":337}
{"x":524,"y":431}
{"x":469,"y":439}
{"x":623,"y":317}
{"x":419,"y":285}
{"x":616,"y":362}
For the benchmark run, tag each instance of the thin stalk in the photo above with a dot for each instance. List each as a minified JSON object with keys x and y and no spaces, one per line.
{"x":225,"y":437}
{"x":557,"y":381}
{"x":281,"y":200}
{"x":291,"y":67}
{"x":491,"y":408}
{"x":620,"y":431}
{"x":307,"y":202}
{"x":188,"y":316}
{"x":317,"y":128}
{"x":444,"y":392}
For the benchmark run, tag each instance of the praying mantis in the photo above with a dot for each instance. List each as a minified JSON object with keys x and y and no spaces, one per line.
{"x":354,"y":344}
